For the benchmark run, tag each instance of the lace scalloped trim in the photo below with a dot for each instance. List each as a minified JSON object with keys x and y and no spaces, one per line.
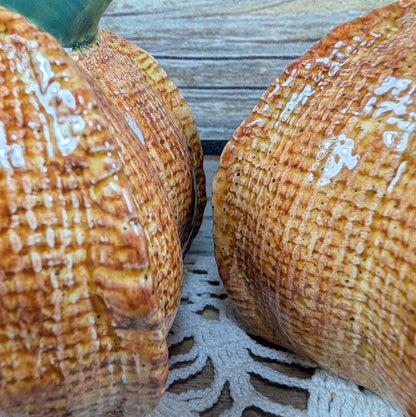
{"x":228,"y":371}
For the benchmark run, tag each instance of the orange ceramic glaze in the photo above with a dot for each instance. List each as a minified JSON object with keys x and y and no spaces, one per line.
{"x":314,"y":205}
{"x":90,"y":258}
{"x":159,"y":115}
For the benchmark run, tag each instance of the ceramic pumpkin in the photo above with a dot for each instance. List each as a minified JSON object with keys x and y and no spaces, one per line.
{"x":152,"y":104}
{"x":158,"y":113}
{"x":90,"y":254}
{"x":314,"y":206}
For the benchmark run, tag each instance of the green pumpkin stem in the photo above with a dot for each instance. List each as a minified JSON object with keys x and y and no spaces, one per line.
{"x":72,"y":22}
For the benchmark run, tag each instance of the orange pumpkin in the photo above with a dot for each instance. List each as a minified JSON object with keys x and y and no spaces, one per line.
{"x":90,"y":254}
{"x":315,"y":211}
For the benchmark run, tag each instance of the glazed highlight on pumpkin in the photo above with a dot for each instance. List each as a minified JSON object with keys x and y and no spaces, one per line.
{"x":314,"y":206}
{"x":91,"y":262}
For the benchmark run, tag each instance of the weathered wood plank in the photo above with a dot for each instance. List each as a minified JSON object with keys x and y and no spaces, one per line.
{"x":209,"y":28}
{"x":193,"y":8}
{"x":223,"y":36}
{"x":218,"y":112}
{"x":229,"y":73}
{"x":203,"y":243}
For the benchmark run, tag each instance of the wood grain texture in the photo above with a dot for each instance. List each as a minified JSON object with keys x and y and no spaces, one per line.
{"x":223,"y":55}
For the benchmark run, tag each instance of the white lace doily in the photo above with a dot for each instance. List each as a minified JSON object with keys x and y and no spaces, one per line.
{"x":227,"y":371}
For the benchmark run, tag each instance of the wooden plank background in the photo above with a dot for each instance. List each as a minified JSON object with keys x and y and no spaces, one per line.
{"x":224,"y":54}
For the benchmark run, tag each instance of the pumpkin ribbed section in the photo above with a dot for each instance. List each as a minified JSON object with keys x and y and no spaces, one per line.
{"x":159,"y":115}
{"x":91,"y":263}
{"x":315,"y":211}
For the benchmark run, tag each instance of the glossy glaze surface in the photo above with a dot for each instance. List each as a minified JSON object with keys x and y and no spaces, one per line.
{"x":85,"y":304}
{"x":315,"y":211}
